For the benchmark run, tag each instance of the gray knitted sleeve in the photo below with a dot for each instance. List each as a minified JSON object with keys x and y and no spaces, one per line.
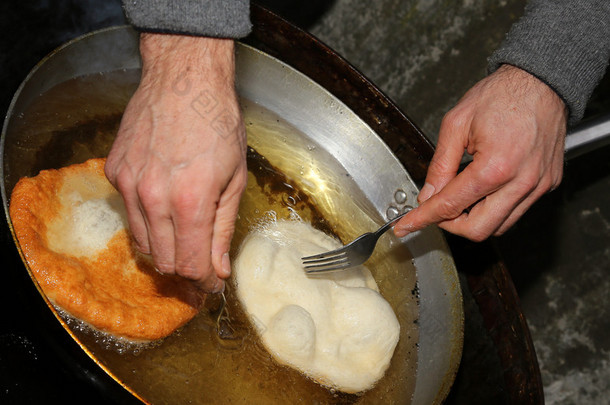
{"x":565,"y":43}
{"x":211,"y":18}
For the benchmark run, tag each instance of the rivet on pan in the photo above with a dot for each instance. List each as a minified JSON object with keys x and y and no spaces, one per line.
{"x":400,"y":196}
{"x":392,"y":212}
{"x":406,"y":208}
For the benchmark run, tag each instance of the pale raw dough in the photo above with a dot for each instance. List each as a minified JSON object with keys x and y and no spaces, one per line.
{"x":336,"y":329}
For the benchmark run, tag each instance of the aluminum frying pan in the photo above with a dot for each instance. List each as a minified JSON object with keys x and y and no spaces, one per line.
{"x":377,"y":181}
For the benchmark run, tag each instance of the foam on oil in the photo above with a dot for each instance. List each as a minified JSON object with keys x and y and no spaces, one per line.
{"x":217,"y":357}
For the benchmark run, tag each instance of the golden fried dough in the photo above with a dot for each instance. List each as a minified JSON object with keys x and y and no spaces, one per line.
{"x":72,"y":228}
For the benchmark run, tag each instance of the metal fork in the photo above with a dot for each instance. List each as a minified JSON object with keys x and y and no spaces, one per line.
{"x":354,"y":253}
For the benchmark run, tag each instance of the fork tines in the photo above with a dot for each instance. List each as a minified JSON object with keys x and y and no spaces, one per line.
{"x":325,"y":262}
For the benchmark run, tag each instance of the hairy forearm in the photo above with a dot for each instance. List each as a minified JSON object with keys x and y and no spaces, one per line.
{"x":197,"y":74}
{"x":187,"y":62}
{"x":565,"y":44}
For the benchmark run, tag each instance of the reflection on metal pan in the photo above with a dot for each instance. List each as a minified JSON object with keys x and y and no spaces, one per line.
{"x":382,"y":182}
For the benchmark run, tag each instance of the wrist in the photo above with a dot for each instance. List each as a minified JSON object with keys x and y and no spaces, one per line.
{"x":206,"y":60}
{"x":532,"y":86}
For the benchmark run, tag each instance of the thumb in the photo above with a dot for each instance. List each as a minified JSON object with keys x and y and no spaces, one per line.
{"x":452,"y":141}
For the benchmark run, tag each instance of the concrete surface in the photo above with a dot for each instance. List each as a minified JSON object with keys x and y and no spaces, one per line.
{"x":425,"y":54}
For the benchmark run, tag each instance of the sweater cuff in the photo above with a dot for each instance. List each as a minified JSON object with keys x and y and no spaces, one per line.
{"x":210,"y":18}
{"x":565,"y":44}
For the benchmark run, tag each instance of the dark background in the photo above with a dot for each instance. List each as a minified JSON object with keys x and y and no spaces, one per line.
{"x":35,"y":368}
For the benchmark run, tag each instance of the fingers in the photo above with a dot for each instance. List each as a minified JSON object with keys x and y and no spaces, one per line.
{"x":547,"y":185}
{"x":452,"y":142}
{"x":516,"y":213}
{"x":193,"y":217}
{"x":171,"y":223}
{"x":122,"y":171}
{"x":224,"y":224}
{"x":493,"y":211}
{"x":201,"y":213}
{"x":477,"y":205}
{"x":470,"y":186}
{"x":124,"y":182}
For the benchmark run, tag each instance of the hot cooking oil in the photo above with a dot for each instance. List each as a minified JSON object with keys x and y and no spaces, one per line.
{"x":217,"y":357}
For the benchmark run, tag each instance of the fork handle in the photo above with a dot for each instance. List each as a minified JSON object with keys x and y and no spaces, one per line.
{"x":391,"y":223}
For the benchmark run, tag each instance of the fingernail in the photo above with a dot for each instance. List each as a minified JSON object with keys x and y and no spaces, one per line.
{"x":426,"y":192}
{"x":226,"y":265}
{"x":219,"y":286}
{"x":400,"y":232}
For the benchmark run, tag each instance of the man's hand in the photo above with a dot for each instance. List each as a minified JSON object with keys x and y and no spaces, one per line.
{"x":179,"y":156}
{"x":514,"y":125}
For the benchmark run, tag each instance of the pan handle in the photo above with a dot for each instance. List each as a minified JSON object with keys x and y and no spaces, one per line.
{"x":587,"y":136}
